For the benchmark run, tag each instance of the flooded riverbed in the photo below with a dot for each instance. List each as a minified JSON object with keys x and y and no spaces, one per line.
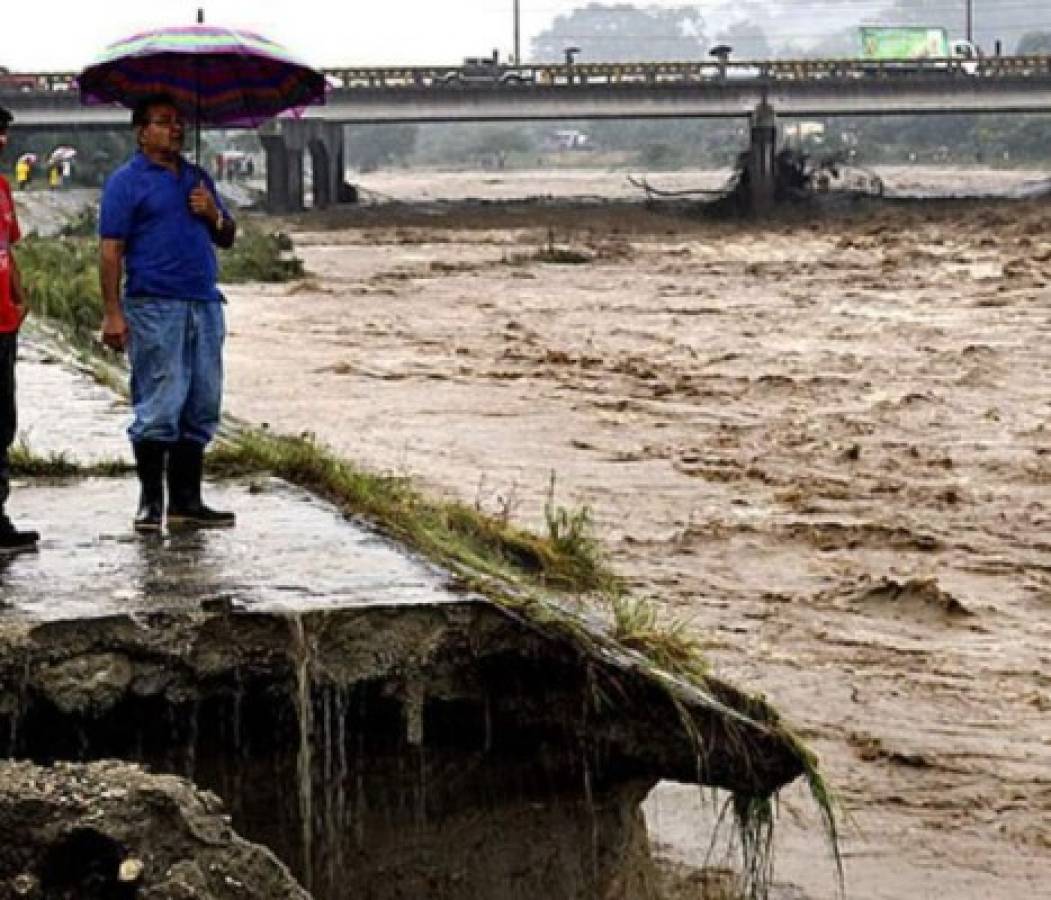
{"x":824,"y":445}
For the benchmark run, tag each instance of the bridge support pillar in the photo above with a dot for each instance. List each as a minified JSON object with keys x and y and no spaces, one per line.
{"x":327,"y":165}
{"x":284,"y":172}
{"x":287,"y":144}
{"x":762,"y":171}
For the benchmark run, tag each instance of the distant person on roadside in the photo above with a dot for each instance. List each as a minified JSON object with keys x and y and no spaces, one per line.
{"x":159,"y":222}
{"x":13,"y":310}
{"x":23,"y":172}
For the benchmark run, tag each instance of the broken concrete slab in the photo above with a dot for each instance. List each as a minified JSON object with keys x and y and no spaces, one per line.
{"x":450,"y":750}
{"x":288,"y":551}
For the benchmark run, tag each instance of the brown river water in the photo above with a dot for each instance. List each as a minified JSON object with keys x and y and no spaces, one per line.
{"x":823,"y":444}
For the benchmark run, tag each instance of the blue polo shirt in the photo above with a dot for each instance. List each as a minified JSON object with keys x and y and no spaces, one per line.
{"x":168,"y":251}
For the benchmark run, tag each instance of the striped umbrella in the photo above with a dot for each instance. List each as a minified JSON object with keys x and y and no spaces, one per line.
{"x":215,"y":76}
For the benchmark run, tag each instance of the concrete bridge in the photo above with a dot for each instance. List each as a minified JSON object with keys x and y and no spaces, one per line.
{"x":759,"y":90}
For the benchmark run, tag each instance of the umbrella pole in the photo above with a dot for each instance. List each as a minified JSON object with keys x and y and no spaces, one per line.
{"x":197,"y":114}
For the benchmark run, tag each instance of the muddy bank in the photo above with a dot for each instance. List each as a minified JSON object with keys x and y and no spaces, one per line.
{"x":823,"y":444}
{"x":447,"y":751}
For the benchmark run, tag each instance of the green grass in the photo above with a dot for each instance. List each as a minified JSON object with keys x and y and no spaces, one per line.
{"x":259,"y":255}
{"x":636,"y":624}
{"x":25,"y":463}
{"x":448,"y":532}
{"x":61,"y":274}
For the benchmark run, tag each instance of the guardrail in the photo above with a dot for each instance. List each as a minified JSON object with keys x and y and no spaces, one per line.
{"x":640,"y":73}
{"x":683,"y":72}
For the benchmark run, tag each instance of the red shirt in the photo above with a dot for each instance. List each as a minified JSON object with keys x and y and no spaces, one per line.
{"x":9,"y":234}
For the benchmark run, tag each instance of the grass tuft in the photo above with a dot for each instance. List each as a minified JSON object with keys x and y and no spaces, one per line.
{"x":61,"y":278}
{"x":636,"y":624}
{"x":25,"y":463}
{"x":259,"y":255}
{"x":446,"y":532}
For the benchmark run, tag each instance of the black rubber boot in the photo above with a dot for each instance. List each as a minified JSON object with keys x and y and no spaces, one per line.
{"x":149,"y":464}
{"x":185,"y":507}
{"x":12,"y":539}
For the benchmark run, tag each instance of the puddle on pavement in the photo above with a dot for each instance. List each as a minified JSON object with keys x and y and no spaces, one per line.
{"x":288,"y":551}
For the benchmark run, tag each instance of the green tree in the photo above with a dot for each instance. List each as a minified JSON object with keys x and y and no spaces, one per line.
{"x":373,"y":146}
{"x":1034,"y":43}
{"x":621,"y":32}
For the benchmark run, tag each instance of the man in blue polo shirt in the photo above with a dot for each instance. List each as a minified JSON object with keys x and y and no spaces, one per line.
{"x":159,"y":220}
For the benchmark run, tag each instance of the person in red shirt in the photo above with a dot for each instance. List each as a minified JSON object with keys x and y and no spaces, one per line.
{"x":13,"y":311}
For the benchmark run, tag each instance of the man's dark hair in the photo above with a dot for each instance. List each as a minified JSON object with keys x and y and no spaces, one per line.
{"x":6,"y":118}
{"x":140,"y":115}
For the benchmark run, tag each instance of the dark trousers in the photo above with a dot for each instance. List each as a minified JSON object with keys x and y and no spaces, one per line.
{"x":8,"y":421}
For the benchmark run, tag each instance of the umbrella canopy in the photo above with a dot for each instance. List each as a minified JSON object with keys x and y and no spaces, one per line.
{"x":216,"y":76}
{"x":28,"y":158}
{"x":61,"y":154}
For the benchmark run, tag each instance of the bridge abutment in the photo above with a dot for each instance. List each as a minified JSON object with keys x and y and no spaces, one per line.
{"x":327,"y":164}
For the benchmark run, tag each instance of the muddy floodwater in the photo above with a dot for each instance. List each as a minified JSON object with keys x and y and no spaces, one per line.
{"x":824,"y":445}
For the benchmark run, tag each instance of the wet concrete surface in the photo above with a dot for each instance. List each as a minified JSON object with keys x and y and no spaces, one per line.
{"x":62,"y":409}
{"x":288,"y":551}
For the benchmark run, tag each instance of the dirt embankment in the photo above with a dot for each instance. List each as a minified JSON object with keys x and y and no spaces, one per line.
{"x":824,"y":445}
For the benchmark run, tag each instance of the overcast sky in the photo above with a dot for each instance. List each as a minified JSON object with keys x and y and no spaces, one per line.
{"x":65,"y":34}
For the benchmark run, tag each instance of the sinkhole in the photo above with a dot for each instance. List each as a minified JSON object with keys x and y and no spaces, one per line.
{"x":457,"y":750}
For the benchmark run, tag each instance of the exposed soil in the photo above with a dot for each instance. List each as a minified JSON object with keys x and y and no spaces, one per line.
{"x":822,"y":444}
{"x":110,"y":830}
{"x":445,"y":751}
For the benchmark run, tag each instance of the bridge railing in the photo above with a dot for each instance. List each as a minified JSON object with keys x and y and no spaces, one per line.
{"x":614,"y":74}
{"x":37,"y":82}
{"x":686,"y":72}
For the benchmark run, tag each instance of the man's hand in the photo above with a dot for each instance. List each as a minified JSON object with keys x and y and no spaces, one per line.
{"x":203,"y":204}
{"x":114,"y":330}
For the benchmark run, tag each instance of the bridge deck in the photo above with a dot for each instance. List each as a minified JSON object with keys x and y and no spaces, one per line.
{"x":623,"y":90}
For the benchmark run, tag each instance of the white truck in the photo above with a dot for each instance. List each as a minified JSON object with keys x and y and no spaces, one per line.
{"x":909,"y":46}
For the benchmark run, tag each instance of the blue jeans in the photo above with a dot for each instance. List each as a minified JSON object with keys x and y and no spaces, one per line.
{"x":175,"y":348}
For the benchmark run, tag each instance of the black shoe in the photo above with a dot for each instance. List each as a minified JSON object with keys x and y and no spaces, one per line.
{"x":185,"y":507}
{"x":13,"y":540}
{"x":149,"y":465}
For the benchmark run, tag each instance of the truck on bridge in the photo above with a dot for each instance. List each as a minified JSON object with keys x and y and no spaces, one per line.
{"x":908,"y":46}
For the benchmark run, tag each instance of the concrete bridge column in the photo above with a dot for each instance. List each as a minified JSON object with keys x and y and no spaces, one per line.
{"x":285,"y":144}
{"x":321,"y":172}
{"x":762,"y":174}
{"x":296,"y":190}
{"x":284,"y":173}
{"x":326,"y":159}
